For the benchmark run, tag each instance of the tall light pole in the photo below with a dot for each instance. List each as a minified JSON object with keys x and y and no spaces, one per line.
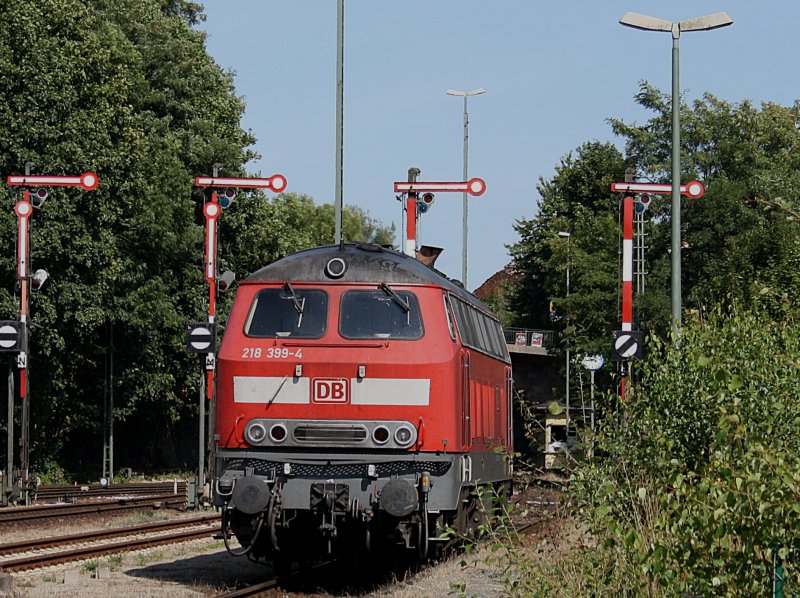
{"x":338,"y":200}
{"x":465,"y":209}
{"x":705,"y":23}
{"x":568,"y":237}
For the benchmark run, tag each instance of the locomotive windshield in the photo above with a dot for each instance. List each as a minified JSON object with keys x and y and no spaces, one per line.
{"x":380,"y":313}
{"x":288,"y":312}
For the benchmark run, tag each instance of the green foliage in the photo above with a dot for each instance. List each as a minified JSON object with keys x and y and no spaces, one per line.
{"x":741,"y":241}
{"x":125,"y":88}
{"x":578,"y":200}
{"x":703,"y":474}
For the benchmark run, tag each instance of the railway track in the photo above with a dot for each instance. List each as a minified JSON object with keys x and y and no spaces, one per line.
{"x":71,"y":493}
{"x":253,"y":590}
{"x":109,"y":506}
{"x":33,"y":554}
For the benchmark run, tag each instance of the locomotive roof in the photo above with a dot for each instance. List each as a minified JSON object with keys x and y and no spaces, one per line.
{"x":364,"y":262}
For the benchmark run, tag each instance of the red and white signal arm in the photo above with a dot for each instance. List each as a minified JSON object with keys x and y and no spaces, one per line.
{"x":276,"y":183}
{"x":211,"y":210}
{"x":692,"y":189}
{"x":474,"y":186}
{"x":88,"y":181}
{"x":23,"y":209}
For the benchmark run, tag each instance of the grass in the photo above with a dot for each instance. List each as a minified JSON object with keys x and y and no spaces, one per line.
{"x":146,"y":559}
{"x":115,"y":562}
{"x":90,"y":566}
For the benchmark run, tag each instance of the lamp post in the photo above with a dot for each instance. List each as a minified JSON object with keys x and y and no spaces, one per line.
{"x":465,"y":210}
{"x":338,"y":199}
{"x":568,"y":237}
{"x":705,"y":23}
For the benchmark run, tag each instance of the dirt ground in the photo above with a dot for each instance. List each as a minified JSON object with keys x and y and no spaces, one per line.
{"x":203,"y":568}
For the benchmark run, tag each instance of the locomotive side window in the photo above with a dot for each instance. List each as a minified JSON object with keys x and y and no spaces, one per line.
{"x":468,"y":334}
{"x":479,"y":331}
{"x":448,"y":314}
{"x":380,"y":313}
{"x":288,"y":312}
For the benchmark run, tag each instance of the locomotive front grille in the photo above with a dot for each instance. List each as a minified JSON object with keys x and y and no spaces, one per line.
{"x":340,"y":470}
{"x":321,"y":433}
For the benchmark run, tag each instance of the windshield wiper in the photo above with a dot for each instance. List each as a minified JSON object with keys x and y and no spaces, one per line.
{"x":299,"y":304}
{"x":395,"y":297}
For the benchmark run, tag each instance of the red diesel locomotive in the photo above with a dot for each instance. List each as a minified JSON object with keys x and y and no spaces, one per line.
{"x":361,"y":398}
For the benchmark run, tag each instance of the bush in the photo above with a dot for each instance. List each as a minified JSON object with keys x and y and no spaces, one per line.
{"x":703,"y":476}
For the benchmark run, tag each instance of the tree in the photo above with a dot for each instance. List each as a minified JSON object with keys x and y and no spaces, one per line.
{"x":125,"y":88}
{"x":577,"y":200}
{"x":739,"y":240}
{"x":88,"y":86}
{"x":736,"y":245}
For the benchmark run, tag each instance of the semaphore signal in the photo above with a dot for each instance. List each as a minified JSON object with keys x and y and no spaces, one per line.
{"x":474,"y":186}
{"x":412,"y":188}
{"x":24,"y":208}
{"x":276,"y":183}
{"x":88,"y":181}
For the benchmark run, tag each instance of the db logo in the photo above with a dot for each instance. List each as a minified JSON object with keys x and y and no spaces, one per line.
{"x":330,"y":390}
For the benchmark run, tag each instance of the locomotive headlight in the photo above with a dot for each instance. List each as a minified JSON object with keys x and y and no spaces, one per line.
{"x":277,"y":433}
{"x":256,"y":433}
{"x":404,"y":435}
{"x":381,"y":435}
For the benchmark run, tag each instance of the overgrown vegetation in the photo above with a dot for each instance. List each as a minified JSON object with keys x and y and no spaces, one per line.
{"x":696,"y":486}
{"x":702,"y":479}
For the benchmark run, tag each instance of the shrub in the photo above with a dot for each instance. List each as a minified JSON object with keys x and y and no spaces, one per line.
{"x":702,"y":479}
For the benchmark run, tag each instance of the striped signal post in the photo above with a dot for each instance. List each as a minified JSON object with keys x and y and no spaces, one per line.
{"x":692,"y":189}
{"x":88,"y":181}
{"x":412,"y":188}
{"x":211,"y":211}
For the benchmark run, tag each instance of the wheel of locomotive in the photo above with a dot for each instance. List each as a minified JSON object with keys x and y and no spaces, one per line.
{"x":502,"y":500}
{"x":477,"y":506}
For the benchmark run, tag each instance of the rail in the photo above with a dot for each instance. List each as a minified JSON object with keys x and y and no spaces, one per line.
{"x":17,"y":514}
{"x":91,"y":545}
{"x":71,"y":493}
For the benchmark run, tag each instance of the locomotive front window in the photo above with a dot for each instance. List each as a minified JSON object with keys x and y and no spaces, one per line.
{"x":380,"y":313}
{"x":288,"y":312}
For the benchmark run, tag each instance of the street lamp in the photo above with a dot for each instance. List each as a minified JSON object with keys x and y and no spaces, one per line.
{"x":568,"y":237}
{"x":465,"y":95}
{"x":705,"y":23}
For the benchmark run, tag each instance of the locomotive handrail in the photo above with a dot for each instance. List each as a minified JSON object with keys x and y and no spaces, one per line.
{"x":339,"y":345}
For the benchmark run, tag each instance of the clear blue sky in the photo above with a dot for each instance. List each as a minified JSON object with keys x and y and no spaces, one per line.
{"x":554,"y":71}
